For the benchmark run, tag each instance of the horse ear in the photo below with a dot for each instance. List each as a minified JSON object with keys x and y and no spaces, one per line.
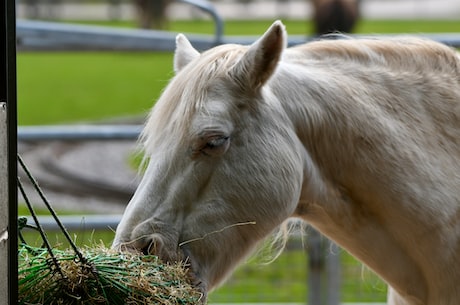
{"x":184,"y":53}
{"x":259,"y":62}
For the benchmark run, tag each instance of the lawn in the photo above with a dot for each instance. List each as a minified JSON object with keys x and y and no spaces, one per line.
{"x":69,"y":87}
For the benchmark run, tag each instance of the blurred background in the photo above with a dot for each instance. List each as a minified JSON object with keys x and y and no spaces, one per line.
{"x":89,"y":70}
{"x":157,"y":14}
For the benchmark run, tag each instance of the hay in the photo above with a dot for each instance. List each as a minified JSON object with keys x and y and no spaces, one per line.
{"x":103,"y":277}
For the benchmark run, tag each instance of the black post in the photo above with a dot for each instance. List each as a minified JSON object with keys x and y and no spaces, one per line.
{"x":8,"y":100}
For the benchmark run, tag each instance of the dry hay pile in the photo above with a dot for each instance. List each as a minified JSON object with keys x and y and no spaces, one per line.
{"x":102,"y":277}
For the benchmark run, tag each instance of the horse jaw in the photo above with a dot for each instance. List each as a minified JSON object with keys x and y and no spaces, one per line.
{"x":184,"y":53}
{"x":260,"y":61}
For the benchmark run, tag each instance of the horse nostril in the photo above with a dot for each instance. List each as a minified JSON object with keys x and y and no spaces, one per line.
{"x":148,"y":247}
{"x":153,"y":238}
{"x":154,"y":246}
{"x":145,"y":251}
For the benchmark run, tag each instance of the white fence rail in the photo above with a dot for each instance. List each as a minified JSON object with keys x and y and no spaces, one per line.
{"x":43,"y":35}
{"x":79,"y":132}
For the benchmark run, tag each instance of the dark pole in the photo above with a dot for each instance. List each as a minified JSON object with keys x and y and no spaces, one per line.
{"x":8,"y":101}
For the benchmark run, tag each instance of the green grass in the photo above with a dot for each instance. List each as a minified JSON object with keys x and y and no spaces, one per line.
{"x":81,"y":236}
{"x":284,"y":280}
{"x":64,"y":87}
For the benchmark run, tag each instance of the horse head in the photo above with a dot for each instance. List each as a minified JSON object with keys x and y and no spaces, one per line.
{"x":225,"y":165}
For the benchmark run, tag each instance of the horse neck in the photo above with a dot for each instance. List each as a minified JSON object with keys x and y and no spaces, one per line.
{"x":366,"y":199}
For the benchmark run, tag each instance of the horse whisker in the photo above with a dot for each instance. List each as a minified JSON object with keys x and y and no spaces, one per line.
{"x":217,"y":231}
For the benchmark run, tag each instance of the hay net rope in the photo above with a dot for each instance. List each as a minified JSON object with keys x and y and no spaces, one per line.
{"x":97,"y":275}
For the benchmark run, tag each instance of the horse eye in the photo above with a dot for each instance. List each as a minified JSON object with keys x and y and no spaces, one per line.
{"x":213,"y":143}
{"x":216,"y":145}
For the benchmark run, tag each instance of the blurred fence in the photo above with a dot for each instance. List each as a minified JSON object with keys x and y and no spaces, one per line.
{"x":40,"y":35}
{"x":235,"y":9}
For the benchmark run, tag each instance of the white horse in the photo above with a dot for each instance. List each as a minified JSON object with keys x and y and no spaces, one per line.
{"x":359,"y":138}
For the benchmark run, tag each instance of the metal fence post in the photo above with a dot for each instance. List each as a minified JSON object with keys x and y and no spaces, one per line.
{"x":315,"y":265}
{"x":324,"y":270}
{"x":8,"y":152}
{"x":333,"y":273}
{"x":4,"y":207}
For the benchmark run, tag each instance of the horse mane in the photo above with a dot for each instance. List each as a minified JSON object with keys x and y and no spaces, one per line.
{"x":409,"y":54}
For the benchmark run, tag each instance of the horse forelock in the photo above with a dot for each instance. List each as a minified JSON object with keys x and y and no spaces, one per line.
{"x":185,"y":95}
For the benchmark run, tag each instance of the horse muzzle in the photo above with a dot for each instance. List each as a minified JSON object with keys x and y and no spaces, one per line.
{"x":156,"y":244}
{"x":162,"y":240}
